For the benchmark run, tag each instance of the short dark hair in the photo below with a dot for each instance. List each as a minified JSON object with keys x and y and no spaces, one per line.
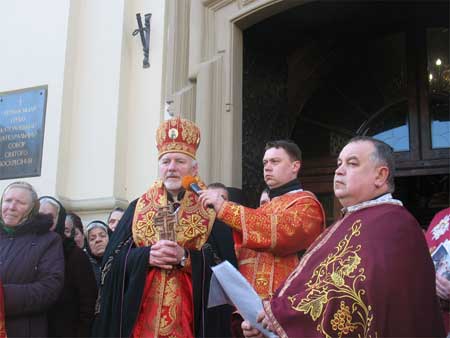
{"x":114,"y":210}
{"x":383,"y":154}
{"x":217,"y":185}
{"x":289,"y":146}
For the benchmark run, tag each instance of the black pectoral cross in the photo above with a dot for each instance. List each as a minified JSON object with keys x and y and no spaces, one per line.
{"x":165,"y":221}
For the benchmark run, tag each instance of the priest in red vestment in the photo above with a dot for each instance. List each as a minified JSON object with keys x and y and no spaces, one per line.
{"x":154,"y":269}
{"x":368,"y":275}
{"x":268,"y":239}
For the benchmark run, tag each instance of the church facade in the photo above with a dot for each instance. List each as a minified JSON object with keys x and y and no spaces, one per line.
{"x":246,"y":71}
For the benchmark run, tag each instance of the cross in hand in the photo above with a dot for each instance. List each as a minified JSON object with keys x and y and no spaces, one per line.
{"x":165,"y":221}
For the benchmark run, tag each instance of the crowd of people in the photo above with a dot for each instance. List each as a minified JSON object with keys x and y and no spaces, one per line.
{"x":49,"y":266}
{"x":146,"y":271}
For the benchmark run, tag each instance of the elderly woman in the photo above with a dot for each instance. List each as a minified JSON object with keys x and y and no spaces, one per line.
{"x":31,"y":262}
{"x":73,"y":313}
{"x":97,"y":235}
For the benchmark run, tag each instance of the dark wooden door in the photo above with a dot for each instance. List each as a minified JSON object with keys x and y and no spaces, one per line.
{"x":392,"y":84}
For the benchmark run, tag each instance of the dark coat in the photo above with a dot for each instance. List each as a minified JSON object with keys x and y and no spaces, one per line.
{"x":73,"y":312}
{"x":72,"y":315}
{"x":96,"y":265}
{"x":32,"y":272}
{"x":218,"y":319}
{"x":117,"y":307}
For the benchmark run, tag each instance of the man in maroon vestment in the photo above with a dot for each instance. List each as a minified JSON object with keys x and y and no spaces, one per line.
{"x":368,"y":275}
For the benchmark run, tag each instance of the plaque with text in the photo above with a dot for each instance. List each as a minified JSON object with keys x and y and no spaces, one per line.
{"x":22,"y":116}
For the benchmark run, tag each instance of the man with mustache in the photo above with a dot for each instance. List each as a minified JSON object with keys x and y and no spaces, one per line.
{"x":370,"y":274}
{"x":268,"y":239}
{"x":152,"y":277}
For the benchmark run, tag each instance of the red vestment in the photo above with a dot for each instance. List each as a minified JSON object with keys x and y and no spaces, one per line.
{"x":369,"y":275}
{"x":437,"y":233}
{"x":439,"y":229}
{"x":167,"y":301}
{"x":268,"y":239}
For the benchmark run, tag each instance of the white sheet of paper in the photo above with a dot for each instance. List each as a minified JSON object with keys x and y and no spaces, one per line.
{"x":228,"y":286}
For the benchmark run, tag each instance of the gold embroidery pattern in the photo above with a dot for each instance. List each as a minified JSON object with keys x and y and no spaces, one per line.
{"x":337,"y":277}
{"x":172,"y":305}
{"x":267,"y":228}
{"x":189,"y":133}
{"x":177,"y":135}
{"x":342,"y":321}
{"x":160,"y":135}
{"x":192,"y":226}
{"x":316,"y":246}
{"x":231,"y":214}
{"x":145,"y":227}
{"x":157,"y":297}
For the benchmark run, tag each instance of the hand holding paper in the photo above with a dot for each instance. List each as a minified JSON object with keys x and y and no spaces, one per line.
{"x":228,"y":286}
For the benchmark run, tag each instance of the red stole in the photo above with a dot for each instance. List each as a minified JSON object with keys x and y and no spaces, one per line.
{"x":167,"y":301}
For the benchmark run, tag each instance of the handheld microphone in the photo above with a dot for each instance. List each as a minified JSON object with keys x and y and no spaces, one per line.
{"x":190,"y":183}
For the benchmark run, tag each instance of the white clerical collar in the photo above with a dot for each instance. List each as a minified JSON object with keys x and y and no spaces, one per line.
{"x":383,"y":199}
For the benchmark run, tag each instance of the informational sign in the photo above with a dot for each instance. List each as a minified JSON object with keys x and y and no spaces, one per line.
{"x":22,"y":121}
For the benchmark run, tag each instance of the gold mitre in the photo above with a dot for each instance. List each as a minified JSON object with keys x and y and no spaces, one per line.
{"x":177,"y":135}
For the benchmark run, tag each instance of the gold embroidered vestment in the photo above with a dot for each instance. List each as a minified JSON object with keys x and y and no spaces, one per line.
{"x":167,"y":304}
{"x":268,"y":239}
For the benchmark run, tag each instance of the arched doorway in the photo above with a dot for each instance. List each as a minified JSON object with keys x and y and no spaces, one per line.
{"x":323,"y":72}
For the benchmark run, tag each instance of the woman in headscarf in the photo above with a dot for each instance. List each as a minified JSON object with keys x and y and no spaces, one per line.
{"x":31,"y":262}
{"x":97,"y":236}
{"x":74,"y":226}
{"x":73,"y":313}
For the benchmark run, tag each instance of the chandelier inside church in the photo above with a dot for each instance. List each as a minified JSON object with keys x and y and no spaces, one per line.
{"x":439,"y":77}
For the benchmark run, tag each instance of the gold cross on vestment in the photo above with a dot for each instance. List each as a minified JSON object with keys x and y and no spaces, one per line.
{"x":165,"y":221}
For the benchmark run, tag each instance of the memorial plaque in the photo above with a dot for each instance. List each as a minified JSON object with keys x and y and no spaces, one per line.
{"x":22,"y":116}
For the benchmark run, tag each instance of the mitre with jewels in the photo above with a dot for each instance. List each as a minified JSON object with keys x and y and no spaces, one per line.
{"x":177,"y":135}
